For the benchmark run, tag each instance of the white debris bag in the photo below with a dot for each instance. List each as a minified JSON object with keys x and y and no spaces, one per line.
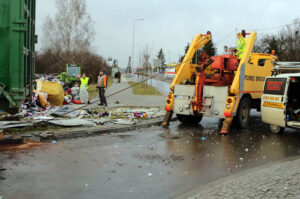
{"x":75,"y":93}
{"x":84,"y":96}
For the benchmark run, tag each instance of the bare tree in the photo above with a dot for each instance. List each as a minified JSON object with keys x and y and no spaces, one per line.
{"x":286,"y":42}
{"x":70,"y":32}
{"x":67,"y":39}
{"x":143,"y":58}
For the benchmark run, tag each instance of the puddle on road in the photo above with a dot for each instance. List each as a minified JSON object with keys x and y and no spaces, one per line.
{"x":27,"y":145}
{"x":154,"y":163}
{"x":123,"y":136}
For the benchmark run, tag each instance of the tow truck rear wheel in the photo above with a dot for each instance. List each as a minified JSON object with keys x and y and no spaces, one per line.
{"x":243,"y":113}
{"x":189,"y":119}
{"x":276,"y":129}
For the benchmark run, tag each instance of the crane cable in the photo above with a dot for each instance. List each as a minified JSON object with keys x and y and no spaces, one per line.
{"x":120,"y":91}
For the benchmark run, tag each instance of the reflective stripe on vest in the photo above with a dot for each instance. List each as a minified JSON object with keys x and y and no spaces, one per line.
{"x":84,"y":83}
{"x":105,"y":79}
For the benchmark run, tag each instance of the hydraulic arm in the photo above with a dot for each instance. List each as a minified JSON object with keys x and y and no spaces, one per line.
{"x":237,"y":87}
{"x":184,"y":72}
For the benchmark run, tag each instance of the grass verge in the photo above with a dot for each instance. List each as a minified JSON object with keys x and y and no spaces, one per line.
{"x":142,"y":89}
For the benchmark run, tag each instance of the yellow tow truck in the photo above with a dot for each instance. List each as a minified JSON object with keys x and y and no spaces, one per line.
{"x":224,"y":86}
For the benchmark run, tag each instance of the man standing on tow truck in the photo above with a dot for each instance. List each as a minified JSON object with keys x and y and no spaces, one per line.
{"x":241,"y":44}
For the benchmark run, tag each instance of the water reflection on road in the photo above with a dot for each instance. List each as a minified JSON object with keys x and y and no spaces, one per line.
{"x":149,"y":163}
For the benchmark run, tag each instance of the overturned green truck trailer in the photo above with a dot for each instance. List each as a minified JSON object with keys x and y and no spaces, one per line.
{"x":17,"y":50}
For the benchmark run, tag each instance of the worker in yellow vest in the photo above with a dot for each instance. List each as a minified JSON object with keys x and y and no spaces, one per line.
{"x":84,"y":82}
{"x":241,"y":44}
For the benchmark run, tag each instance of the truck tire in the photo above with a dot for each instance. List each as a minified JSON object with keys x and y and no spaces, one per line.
{"x":189,"y":119}
{"x":276,"y":129}
{"x":243,"y":113}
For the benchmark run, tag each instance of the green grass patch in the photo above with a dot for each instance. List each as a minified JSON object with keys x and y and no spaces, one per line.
{"x":92,"y":91}
{"x":142,"y":89}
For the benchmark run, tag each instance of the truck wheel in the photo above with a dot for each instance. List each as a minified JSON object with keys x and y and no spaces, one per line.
{"x":189,"y":119}
{"x":276,"y":129}
{"x":243,"y":113}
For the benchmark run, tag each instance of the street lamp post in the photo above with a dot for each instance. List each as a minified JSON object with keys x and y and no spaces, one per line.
{"x":133,"y":40}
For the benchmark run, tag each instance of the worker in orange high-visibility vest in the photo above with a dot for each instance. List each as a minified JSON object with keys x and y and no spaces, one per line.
{"x":101,"y":85}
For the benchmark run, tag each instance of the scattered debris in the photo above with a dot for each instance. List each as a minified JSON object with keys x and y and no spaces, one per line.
{"x":125,"y":122}
{"x":101,"y":121}
{"x":64,"y":111}
{"x":14,"y":124}
{"x":43,"y":118}
{"x":72,"y":122}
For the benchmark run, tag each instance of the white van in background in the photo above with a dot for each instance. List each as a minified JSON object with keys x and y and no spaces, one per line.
{"x":280,"y":103}
{"x":170,"y":72}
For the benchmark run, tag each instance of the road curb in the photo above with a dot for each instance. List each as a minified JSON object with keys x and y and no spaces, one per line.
{"x":78,"y":133}
{"x":70,"y":133}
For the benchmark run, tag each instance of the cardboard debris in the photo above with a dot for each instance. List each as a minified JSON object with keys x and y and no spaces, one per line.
{"x":54,"y":90}
{"x":17,"y":126}
{"x":64,"y":111}
{"x":100,"y":121}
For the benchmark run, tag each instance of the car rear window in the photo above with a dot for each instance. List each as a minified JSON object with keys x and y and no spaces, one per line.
{"x":275,"y":86}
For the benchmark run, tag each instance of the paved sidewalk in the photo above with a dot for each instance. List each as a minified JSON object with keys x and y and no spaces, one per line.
{"x":127,"y":98}
{"x":280,"y":180}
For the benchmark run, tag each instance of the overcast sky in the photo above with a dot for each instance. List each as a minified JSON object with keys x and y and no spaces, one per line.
{"x":170,"y":24}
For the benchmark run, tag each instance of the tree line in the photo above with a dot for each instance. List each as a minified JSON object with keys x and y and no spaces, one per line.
{"x":285,"y":42}
{"x":67,"y":39}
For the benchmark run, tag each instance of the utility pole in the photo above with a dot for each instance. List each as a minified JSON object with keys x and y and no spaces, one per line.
{"x":128,"y":70}
{"x":133,"y":22}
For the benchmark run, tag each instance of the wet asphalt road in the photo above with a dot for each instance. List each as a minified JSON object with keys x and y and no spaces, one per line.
{"x":149,"y":163}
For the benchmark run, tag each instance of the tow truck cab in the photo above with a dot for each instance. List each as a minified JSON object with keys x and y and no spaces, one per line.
{"x":280,"y":104}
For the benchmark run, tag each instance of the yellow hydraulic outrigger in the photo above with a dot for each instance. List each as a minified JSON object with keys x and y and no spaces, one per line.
{"x":234,"y":92}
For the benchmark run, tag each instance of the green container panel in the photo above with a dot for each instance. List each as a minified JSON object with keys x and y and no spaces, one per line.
{"x":17,"y":47}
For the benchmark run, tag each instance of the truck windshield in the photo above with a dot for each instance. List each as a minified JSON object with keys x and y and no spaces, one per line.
{"x":73,"y":71}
